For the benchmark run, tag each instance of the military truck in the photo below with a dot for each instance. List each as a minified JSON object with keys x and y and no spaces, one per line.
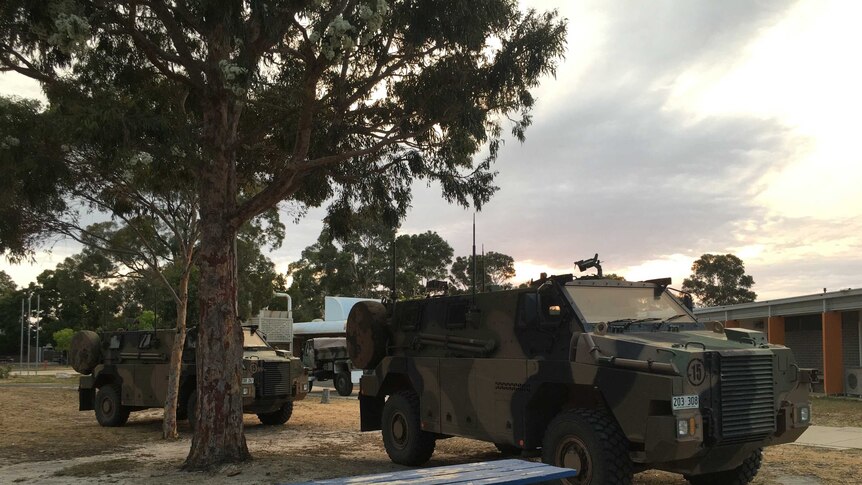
{"x":327,"y":359}
{"x":606,"y":377}
{"x":126,"y":371}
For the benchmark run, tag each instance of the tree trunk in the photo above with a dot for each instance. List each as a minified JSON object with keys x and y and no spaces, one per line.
{"x":169,"y":425}
{"x":218,"y":436}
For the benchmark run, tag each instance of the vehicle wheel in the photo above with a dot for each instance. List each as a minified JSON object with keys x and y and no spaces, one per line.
{"x":507,"y":449}
{"x":740,"y":475}
{"x":343,"y":383}
{"x":591,"y":442}
{"x":192,"y":410}
{"x":277,"y":417}
{"x":403,"y":438}
{"x":109,"y":410}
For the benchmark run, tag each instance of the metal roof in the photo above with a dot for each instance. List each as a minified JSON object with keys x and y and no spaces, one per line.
{"x":842,"y":300}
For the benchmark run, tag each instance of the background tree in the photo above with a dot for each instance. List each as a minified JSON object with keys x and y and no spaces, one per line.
{"x":421,"y":257}
{"x":7,"y":286}
{"x":360,"y":264}
{"x":63,"y":339}
{"x":308,"y":101}
{"x":499,"y":269}
{"x":719,"y":279}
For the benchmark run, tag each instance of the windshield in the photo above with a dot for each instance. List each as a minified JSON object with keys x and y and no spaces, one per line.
{"x":615,"y":303}
{"x":252,"y":340}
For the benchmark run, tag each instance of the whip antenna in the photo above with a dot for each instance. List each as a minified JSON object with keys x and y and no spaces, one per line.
{"x":474,"y":257}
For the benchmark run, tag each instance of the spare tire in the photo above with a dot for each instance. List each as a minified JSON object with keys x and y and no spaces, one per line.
{"x":367,"y":334}
{"x":85,"y":351}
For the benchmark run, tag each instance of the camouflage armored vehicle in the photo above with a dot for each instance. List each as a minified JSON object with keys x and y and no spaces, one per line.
{"x":127,"y":371}
{"x":606,"y":377}
{"x":327,"y":359}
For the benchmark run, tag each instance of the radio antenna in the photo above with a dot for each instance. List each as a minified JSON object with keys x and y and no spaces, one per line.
{"x":394,"y":295}
{"x":483,"y":268}
{"x":474,"y":257}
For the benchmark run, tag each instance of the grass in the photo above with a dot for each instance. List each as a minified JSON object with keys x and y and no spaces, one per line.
{"x":40,"y":379}
{"x":836,"y":411}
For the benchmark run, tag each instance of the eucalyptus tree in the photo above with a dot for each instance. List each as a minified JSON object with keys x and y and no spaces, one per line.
{"x":347,"y":101}
{"x":361,"y":263}
{"x":719,"y":279}
{"x":492,"y":268}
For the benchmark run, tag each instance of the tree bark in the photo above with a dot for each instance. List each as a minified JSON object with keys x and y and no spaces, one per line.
{"x":218,"y":436}
{"x":169,"y":424}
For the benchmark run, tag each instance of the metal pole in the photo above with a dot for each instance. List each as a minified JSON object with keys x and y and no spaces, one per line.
{"x":38,"y":329}
{"x":21,"y":361}
{"x":29,"y":314}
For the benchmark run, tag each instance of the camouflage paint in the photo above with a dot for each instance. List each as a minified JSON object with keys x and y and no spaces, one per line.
{"x":138,"y":361}
{"x":500,"y":366}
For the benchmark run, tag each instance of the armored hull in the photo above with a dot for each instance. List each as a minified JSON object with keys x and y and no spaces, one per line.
{"x":602,"y":376}
{"x":127,"y":371}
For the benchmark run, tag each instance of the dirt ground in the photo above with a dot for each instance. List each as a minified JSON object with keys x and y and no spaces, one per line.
{"x":45,"y":439}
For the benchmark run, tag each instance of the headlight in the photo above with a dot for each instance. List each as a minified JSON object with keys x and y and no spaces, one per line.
{"x":686,"y":427}
{"x":804,"y":413}
{"x":682,"y":427}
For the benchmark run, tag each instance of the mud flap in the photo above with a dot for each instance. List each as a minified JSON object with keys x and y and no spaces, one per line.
{"x":370,"y":412}
{"x":86,"y":399}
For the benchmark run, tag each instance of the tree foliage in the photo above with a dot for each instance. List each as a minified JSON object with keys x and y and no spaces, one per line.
{"x":719,"y":279}
{"x":498,"y":269}
{"x":256,"y":102}
{"x":7,"y":286}
{"x":63,"y":339}
{"x":360,"y":264}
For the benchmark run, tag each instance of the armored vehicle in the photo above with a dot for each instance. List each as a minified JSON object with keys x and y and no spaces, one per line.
{"x":606,"y":377}
{"x":327,"y":359}
{"x":127,"y":371}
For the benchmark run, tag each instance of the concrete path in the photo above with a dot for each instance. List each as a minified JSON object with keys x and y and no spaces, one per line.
{"x":832,"y":437}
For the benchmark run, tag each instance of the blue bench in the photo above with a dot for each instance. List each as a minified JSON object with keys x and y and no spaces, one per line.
{"x":486,"y":472}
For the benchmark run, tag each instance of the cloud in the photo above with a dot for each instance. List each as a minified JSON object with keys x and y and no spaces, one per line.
{"x":611,"y":169}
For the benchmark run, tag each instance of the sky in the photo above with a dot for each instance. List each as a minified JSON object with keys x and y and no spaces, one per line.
{"x":671,"y":129}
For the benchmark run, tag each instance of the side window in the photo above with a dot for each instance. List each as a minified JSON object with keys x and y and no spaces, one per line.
{"x":528,"y":310}
{"x":550,"y":305}
{"x":456,"y":315}
{"x":116,"y":342}
{"x":146,"y":341}
{"x":409,"y":315}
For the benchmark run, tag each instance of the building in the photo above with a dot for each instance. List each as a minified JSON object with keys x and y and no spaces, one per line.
{"x":824,"y":330}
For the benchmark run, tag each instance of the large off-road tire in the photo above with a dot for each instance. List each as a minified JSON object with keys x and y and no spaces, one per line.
{"x":591,"y":442}
{"x":403,"y":438}
{"x":85,"y":351}
{"x":367,"y":334}
{"x":277,"y":417}
{"x":109,"y":409}
{"x":740,"y":475}
{"x":192,"y":410}
{"x":343,"y":383}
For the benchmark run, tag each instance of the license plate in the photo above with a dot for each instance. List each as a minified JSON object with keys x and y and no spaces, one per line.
{"x":691,"y":401}
{"x":248,"y":380}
